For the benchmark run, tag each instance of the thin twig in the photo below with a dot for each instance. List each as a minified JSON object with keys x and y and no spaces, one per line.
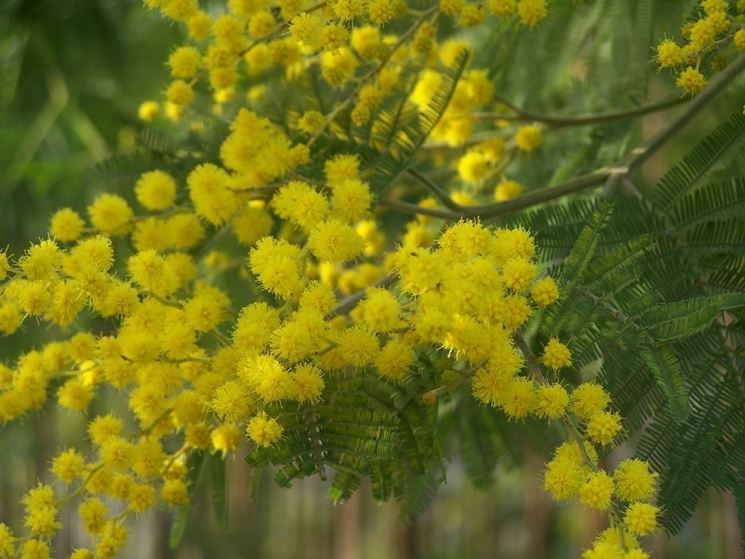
{"x":350,"y":302}
{"x":434,"y":188}
{"x":522,"y":115}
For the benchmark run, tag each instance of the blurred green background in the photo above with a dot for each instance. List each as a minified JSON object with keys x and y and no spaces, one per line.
{"x":72,"y":73}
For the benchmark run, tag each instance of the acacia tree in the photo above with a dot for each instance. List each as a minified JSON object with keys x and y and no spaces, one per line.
{"x":365,"y":238}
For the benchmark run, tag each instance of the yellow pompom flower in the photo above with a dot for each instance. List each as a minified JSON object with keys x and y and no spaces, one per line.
{"x":357,"y":347}
{"x":209,"y":191}
{"x":669,"y":54}
{"x":307,"y":383}
{"x":702,"y":34}
{"x":264,"y":430}
{"x":110,"y":214}
{"x":7,"y":541}
{"x":338,"y":67}
{"x":381,"y":12}
{"x":531,"y":12}
{"x":588,"y":399}
{"x":262,"y":23}
{"x":277,"y":266}
{"x":268,"y":378}
{"x":563,"y":478}
{"x":529,"y":138}
{"x":148,"y":270}
{"x":551,"y":401}
{"x":473,"y":167}
{"x":597,"y":491}
{"x":174,"y":492}
{"x":519,"y":398}
{"x":307,"y":29}
{"x":251,"y":224}
{"x":451,"y":7}
{"x":634,"y":480}
{"x":179,"y":93}
{"x":42,"y":261}
{"x":141,"y":497}
{"x":641,"y":518}
{"x":501,"y":8}
{"x":347,"y":10}
{"x":148,"y":110}
{"x":184,"y":62}
{"x":518,"y":273}
{"x":514,"y":311}
{"x":66,"y":225}
{"x":179,"y":10}
{"x":301,"y":204}
{"x":544,"y":292}
{"x":334,"y":37}
{"x":4,"y":265}
{"x":556,"y":355}
{"x":232,"y":402}
{"x":35,"y":549}
{"x":184,"y":231}
{"x":471,"y":15}
{"x":225,"y":437}
{"x":335,"y":241}
{"x":691,"y":80}
{"x":603,"y":427}
{"x":394,"y":360}
{"x":113,"y":535}
{"x":507,"y":189}
{"x":155,"y":190}
{"x":342,"y":167}
{"x":148,"y":458}
{"x":117,"y":453}
{"x":68,"y":465}
{"x":103,"y":428}
{"x":350,"y":200}
{"x":380,"y":310}
{"x":739,"y":40}
{"x":713,"y":6}
{"x":75,"y":394}
{"x":367,"y":41}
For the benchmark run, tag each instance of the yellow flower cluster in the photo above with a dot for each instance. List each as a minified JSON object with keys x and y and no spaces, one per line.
{"x":626,"y":494}
{"x":323,"y":290}
{"x":708,"y":40}
{"x":251,"y":38}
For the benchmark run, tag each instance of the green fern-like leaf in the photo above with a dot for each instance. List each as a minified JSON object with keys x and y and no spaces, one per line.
{"x":666,"y":370}
{"x":671,"y":321}
{"x":720,"y":145}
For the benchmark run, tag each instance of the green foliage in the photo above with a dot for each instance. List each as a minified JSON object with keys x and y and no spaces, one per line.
{"x":654,"y":293}
{"x":194,"y":466}
{"x":365,"y":427}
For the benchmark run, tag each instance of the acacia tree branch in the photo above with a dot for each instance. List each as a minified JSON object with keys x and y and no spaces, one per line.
{"x":347,"y":304}
{"x":580,"y":120}
{"x":510,"y":206}
{"x":435,"y":189}
{"x":640,"y":155}
{"x":625,"y":169}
